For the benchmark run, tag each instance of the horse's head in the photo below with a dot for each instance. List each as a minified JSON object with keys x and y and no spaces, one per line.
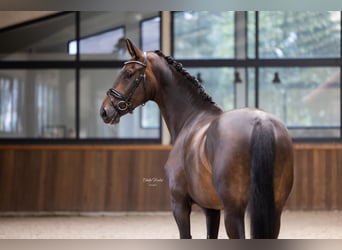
{"x":129,"y":89}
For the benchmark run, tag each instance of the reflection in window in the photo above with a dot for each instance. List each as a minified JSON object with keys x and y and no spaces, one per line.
{"x":304,"y":98}
{"x":203,"y":35}
{"x":8,"y":105}
{"x":219,"y":84}
{"x":150,"y":34}
{"x":289,"y":34}
{"x":37,"y":103}
{"x":251,"y":34}
{"x":150,"y":115}
{"x":150,"y":40}
{"x":107,"y":42}
{"x":40,"y":100}
{"x":105,"y":33}
{"x":47,"y":92}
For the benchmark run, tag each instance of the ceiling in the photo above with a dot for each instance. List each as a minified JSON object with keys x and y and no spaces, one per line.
{"x":53,"y":35}
{"x":10,"y":18}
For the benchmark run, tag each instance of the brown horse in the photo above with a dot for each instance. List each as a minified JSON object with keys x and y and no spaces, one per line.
{"x":219,"y":160}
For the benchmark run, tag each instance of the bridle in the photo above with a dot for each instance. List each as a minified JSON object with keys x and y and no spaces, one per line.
{"x":125,"y":101}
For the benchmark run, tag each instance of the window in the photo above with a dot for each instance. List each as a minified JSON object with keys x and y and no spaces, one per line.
{"x":219,"y":83}
{"x":307,"y":99}
{"x":307,"y":95}
{"x":150,"y":34}
{"x":150,"y":41}
{"x":285,"y":62}
{"x":95,"y":83}
{"x":203,"y":35}
{"x":9,"y":97}
{"x":106,"y":42}
{"x":50,"y":90}
{"x":303,"y":34}
{"x":34,"y":103}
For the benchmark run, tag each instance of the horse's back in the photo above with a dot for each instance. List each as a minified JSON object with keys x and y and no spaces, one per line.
{"x":234,"y":128}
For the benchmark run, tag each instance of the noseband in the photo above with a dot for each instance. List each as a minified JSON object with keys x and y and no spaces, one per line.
{"x":125,"y":101}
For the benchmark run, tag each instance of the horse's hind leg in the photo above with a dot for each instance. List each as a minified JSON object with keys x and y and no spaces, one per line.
{"x":277,"y":224}
{"x":213,"y":222}
{"x":234,"y":221}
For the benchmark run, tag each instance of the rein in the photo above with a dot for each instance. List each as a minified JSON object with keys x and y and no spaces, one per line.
{"x":125,"y":101}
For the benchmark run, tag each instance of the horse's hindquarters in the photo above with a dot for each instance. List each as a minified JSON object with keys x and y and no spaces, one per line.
{"x":233,"y":144}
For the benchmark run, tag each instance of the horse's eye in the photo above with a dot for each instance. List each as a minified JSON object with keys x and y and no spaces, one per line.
{"x":128,"y":74}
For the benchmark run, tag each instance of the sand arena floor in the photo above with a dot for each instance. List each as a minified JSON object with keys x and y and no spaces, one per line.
{"x":295,"y":225}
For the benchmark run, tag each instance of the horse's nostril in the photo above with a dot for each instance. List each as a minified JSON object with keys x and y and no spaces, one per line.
{"x":103,"y":112}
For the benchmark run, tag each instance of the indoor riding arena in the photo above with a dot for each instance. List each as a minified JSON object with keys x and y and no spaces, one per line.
{"x":85,"y":154}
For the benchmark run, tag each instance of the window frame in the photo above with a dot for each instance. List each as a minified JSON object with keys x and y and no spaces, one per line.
{"x":245,"y":64}
{"x":257,"y":62}
{"x":77,"y":65}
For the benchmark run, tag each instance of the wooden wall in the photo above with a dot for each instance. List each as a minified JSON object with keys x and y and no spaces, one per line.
{"x":318,"y":177}
{"x":89,"y":178}
{"x":83,"y":178}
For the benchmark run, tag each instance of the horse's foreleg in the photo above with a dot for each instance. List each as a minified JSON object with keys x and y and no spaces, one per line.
{"x":181,"y":212}
{"x":213,"y":222}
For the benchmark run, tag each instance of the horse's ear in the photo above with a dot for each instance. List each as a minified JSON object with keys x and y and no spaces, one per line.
{"x":133,"y":50}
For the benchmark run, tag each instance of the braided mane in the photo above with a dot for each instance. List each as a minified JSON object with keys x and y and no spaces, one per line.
{"x":179,"y":67}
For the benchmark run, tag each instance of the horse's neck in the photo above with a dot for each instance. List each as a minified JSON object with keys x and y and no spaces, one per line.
{"x":176,"y":116}
{"x":180,"y":110}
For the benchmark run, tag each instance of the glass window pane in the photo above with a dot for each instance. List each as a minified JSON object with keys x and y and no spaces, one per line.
{"x":289,"y":34}
{"x":94,"y":85}
{"x":150,"y":34}
{"x":251,"y":34}
{"x":37,"y":103}
{"x":107,"y":31}
{"x":304,"y":98}
{"x":150,"y":115}
{"x":203,"y":34}
{"x":150,"y":40}
{"x":251,"y":87}
{"x":44,"y":40}
{"x":101,"y":43}
{"x":218,"y":83}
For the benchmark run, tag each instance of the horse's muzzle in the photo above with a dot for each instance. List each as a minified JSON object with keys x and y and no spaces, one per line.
{"x":107,"y":116}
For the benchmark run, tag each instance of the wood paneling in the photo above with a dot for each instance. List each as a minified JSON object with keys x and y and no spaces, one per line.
{"x":317,"y":182}
{"x":131,"y":178}
{"x":83,"y":178}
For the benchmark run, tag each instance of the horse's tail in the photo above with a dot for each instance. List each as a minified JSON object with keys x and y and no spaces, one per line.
{"x":262,"y":204}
